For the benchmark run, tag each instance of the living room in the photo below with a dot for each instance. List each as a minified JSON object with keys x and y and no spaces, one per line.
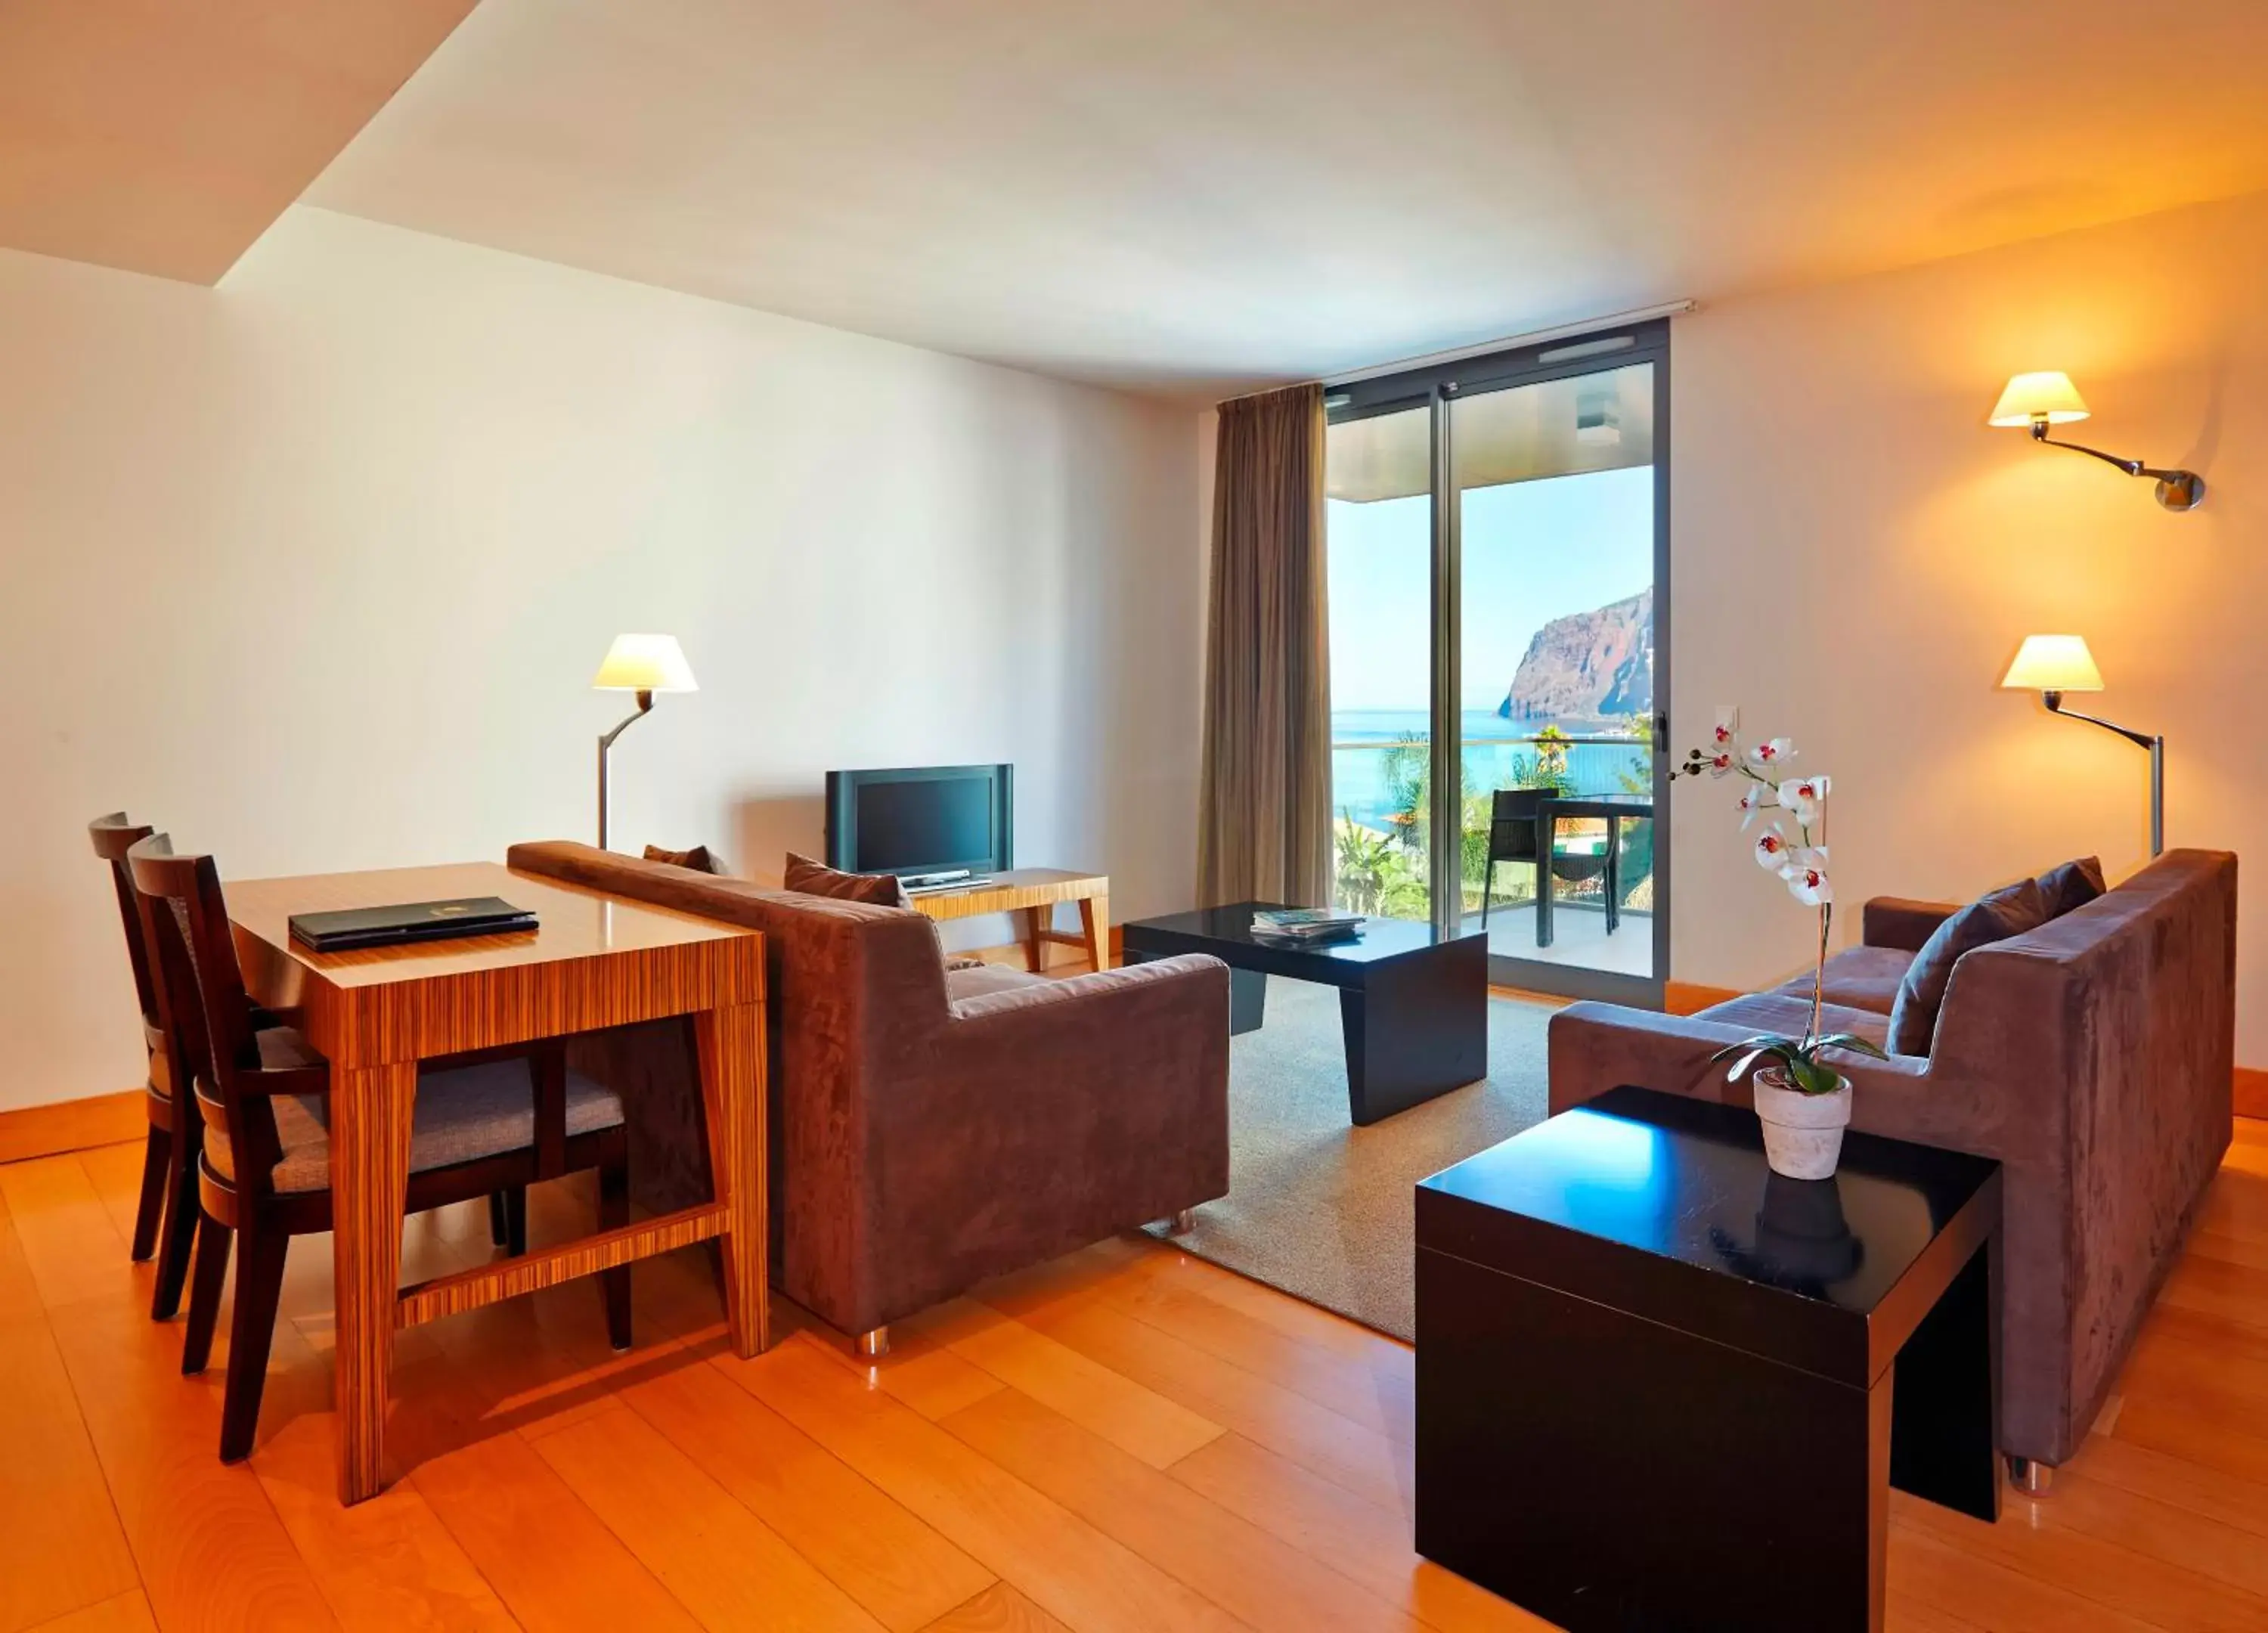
{"x":1016,"y":388}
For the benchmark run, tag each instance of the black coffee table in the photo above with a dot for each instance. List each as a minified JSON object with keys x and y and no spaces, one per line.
{"x":1413,"y":1006}
{"x":1661,"y":1386}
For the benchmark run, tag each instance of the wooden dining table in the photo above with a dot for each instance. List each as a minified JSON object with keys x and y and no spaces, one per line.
{"x":593,"y":961}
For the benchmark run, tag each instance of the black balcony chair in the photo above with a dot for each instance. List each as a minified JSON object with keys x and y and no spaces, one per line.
{"x":1514,"y":836}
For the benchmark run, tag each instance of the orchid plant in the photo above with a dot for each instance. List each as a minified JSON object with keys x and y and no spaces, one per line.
{"x":1792,"y":847}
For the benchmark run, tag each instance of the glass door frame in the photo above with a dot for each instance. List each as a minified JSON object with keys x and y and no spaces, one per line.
{"x":1438,"y":385}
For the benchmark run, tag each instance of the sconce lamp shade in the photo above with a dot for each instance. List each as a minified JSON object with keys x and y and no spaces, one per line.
{"x":2053,"y":663}
{"x":644,"y":662}
{"x":2047,"y":396}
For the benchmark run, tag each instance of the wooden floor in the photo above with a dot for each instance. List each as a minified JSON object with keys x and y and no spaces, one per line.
{"x":1125,"y":1439}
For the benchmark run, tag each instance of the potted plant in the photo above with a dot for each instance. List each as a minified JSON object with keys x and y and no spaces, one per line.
{"x":1803,"y":1102}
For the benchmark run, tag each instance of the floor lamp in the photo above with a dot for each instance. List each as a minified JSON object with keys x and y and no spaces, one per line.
{"x":2053,"y":665}
{"x":643,"y":664}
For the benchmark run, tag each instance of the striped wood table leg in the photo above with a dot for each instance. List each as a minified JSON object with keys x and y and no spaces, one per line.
{"x":730,"y":1040}
{"x":371,"y":1112}
{"x":1094,"y":919}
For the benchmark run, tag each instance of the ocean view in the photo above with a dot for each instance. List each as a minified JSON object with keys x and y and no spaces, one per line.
{"x":1359,"y":738}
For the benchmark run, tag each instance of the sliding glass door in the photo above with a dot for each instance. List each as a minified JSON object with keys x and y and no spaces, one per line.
{"x":1498,"y":538}
{"x":1380,"y":517}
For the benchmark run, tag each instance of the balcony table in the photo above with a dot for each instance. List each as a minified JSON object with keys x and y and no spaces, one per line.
{"x":1557,"y":808}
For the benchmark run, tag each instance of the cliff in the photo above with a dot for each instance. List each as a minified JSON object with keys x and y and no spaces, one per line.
{"x":1587,"y":666}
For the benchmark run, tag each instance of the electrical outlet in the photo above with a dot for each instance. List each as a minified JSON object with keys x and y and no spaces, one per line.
{"x":1728,"y":717}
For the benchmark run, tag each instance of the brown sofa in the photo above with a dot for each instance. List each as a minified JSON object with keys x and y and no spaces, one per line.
{"x":929,"y":1127}
{"x":2092,"y":1056}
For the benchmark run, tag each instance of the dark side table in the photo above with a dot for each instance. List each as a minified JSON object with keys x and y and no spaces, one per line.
{"x":1661,"y":1386}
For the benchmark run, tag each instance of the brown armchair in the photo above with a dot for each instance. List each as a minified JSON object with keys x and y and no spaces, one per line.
{"x":2092,"y":1056}
{"x":930,"y":1128}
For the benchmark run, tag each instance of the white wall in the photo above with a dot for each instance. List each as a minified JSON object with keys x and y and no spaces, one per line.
{"x":1856,"y":557}
{"x":314,"y":569}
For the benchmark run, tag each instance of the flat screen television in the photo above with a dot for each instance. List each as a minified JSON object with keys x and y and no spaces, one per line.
{"x":919,"y":821}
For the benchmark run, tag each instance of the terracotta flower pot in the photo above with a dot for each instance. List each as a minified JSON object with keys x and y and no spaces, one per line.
{"x":1803,"y":1133}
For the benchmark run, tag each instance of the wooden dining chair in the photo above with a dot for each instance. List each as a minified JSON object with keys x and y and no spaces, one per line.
{"x":166,"y":1217}
{"x":498,"y":1125}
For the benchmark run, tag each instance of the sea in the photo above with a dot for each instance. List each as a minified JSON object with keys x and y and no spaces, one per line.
{"x":1492,"y":745}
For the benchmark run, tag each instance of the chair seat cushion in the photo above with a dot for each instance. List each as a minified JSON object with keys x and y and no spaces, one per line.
{"x":1862,"y":978}
{"x":1785,"y":1014}
{"x":462,"y":1115}
{"x":961,"y":984}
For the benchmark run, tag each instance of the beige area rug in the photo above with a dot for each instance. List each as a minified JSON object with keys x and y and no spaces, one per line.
{"x":1321,"y":1209}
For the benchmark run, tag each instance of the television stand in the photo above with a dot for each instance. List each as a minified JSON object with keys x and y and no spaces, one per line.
{"x":1032,"y":894}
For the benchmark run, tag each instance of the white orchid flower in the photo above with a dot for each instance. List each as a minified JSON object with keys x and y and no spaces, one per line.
{"x":1724,"y":741}
{"x":1755,"y":797}
{"x":1775,"y":751}
{"x":1801,"y":794}
{"x":1721,"y":762}
{"x":1805,"y":874}
{"x":1773,"y":852}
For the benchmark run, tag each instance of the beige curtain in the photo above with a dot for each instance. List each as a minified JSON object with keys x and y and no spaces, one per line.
{"x":1263,"y":822}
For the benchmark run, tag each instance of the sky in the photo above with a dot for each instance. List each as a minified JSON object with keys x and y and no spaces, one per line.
{"x":1533,"y":551}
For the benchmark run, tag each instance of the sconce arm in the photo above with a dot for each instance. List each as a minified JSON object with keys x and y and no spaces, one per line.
{"x":2140,"y":740}
{"x":2132,"y":467}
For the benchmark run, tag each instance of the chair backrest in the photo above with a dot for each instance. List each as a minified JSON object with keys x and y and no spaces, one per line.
{"x":1512,"y":836}
{"x":202,"y":1002}
{"x":1512,"y":824}
{"x":113,"y":836}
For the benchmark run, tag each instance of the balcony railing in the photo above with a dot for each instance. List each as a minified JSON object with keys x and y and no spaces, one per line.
{"x":1382,"y":869}
{"x":1593,"y":764}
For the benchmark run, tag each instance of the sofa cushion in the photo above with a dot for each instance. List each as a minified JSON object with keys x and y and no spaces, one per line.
{"x":2006,"y":912}
{"x":1783,"y":1013}
{"x":816,"y":879}
{"x":2073,"y":884}
{"x":698,"y":858}
{"x":961,"y":983}
{"x":1862,"y":978}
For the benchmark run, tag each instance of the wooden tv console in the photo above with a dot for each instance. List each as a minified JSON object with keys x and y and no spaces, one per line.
{"x":1032,"y":894}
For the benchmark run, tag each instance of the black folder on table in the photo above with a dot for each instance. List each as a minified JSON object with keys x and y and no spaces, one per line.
{"x":410,"y":921}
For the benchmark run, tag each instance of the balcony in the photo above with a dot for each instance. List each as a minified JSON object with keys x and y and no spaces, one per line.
{"x":1382,"y":842}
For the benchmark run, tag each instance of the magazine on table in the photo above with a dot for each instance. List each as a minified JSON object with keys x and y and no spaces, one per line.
{"x":1305,"y":924}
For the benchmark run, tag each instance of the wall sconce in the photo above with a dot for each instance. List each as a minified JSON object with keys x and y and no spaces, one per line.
{"x":2049,"y":398}
{"x":2053,"y":665}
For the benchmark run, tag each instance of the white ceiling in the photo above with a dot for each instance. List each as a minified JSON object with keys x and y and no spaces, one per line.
{"x":1191,"y":196}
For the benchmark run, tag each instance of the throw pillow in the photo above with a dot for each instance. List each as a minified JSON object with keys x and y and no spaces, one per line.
{"x":698,"y":858}
{"x":2008,"y":912}
{"x":816,"y":879}
{"x":2073,"y":884}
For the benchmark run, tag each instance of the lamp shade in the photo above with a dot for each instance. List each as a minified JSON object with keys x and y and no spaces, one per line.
{"x":644,"y":662}
{"x":2048,"y":395}
{"x":2053,"y":663}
